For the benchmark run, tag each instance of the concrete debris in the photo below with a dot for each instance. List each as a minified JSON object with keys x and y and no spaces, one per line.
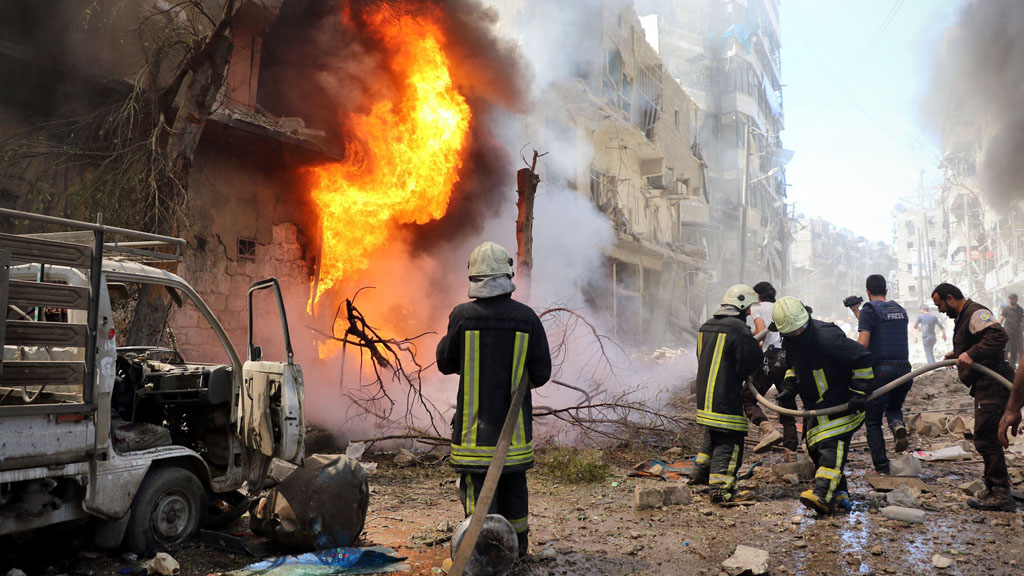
{"x":792,"y":479}
{"x":877,"y":550}
{"x":886,"y":483}
{"x":903,"y":496}
{"x":961,"y":426}
{"x":1016,"y":476}
{"x":674,"y":451}
{"x":904,"y":514}
{"x":547,"y":553}
{"x":929,"y":424}
{"x":163,"y":564}
{"x":406,"y":459}
{"x":804,"y":469}
{"x":650,"y":498}
{"x":906,"y":465}
{"x":940,"y":561}
{"x":746,"y":560}
{"x":15,"y":572}
{"x":973,"y":488}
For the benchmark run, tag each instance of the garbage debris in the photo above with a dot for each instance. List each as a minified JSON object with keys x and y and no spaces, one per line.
{"x":955,"y":452}
{"x":904,"y":514}
{"x":163,"y":564}
{"x":321,"y":505}
{"x":497,"y":547}
{"x":659,"y":469}
{"x":906,"y":465}
{"x":746,"y":560}
{"x":903,"y":496}
{"x":330,"y":561}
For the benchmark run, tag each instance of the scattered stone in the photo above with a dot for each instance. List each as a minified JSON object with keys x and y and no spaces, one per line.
{"x":804,"y":469}
{"x":903,"y":496}
{"x":904,"y":514}
{"x":796,"y":519}
{"x":406,"y":459}
{"x":877,"y":550}
{"x":1016,"y":475}
{"x":674,"y":451}
{"x":906,"y":465}
{"x":648,"y":498}
{"x":746,"y":560}
{"x":15,"y":572}
{"x":547,"y":553}
{"x":163,"y":564}
{"x":792,"y":479}
{"x":677,"y":495}
{"x":801,"y":544}
{"x":973,"y":488}
{"x":940,"y":561}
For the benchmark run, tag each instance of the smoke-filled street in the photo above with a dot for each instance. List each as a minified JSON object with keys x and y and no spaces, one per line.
{"x":511,"y":287}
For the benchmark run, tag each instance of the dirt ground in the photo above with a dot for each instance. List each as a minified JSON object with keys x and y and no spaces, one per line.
{"x":596,"y":528}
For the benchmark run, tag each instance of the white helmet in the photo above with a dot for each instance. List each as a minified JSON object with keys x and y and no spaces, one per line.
{"x":738,"y":297}
{"x":490,"y":258}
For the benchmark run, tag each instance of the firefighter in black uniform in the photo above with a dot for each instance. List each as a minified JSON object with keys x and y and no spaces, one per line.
{"x":495,"y":344}
{"x":977,"y":337}
{"x":827,"y":369}
{"x":727,"y":354}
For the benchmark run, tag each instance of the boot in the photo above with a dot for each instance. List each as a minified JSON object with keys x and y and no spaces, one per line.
{"x":997,"y":499}
{"x":732,"y":496}
{"x":843,"y":501}
{"x":901,"y":438}
{"x":769,"y":437}
{"x":817,"y":503}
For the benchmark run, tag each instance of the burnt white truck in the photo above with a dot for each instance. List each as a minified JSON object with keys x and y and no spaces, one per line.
{"x":136,"y":437}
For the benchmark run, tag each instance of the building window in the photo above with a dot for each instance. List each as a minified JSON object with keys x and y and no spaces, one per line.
{"x":675,"y":116}
{"x":246,"y":249}
{"x":910,"y":267}
{"x":910,"y":245}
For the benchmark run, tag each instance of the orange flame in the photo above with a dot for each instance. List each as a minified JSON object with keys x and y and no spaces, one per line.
{"x":406,"y":160}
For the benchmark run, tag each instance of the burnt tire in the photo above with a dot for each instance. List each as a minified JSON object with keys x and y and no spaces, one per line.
{"x":168,"y":510}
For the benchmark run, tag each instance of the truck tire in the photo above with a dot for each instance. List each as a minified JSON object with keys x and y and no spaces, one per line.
{"x":168,"y":510}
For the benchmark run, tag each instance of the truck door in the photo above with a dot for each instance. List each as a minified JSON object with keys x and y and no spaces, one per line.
{"x":270,"y":417}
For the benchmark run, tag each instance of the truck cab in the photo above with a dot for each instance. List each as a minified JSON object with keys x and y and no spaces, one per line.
{"x":136,"y":436}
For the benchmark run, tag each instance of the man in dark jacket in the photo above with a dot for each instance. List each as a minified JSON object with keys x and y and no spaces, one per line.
{"x":494,"y":344}
{"x":827,"y":369}
{"x":727,"y":354}
{"x":977,"y":337}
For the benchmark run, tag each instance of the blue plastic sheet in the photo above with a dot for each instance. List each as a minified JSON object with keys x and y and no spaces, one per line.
{"x":331,"y":561}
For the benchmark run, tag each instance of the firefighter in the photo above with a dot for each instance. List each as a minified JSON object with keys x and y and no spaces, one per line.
{"x":727,"y":354}
{"x":826,"y":369}
{"x":495,"y":344}
{"x":977,"y":337}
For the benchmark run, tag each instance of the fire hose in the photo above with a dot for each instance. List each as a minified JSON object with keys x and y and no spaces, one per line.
{"x":879,"y":392}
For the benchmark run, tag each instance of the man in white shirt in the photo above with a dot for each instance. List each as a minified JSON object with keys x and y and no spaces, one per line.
{"x":771,"y":373}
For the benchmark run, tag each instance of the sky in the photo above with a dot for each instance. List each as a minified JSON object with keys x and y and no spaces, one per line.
{"x":855,"y":74}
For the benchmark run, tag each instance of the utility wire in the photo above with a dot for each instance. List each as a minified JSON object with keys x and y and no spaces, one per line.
{"x":879,"y":33}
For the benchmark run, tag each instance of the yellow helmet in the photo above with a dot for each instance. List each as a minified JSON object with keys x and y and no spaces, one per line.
{"x":490,"y":258}
{"x":741,"y":296}
{"x":789,"y":315}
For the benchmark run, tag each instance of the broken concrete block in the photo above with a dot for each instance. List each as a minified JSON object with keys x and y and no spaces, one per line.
{"x":163,"y":564}
{"x":973,"y":488}
{"x":903,"y":496}
{"x":1016,"y":476}
{"x":677,"y":495}
{"x":406,"y":459}
{"x":904,"y":514}
{"x":746,"y":560}
{"x":961,"y":426}
{"x":804,"y":469}
{"x":940,"y":561}
{"x":648,"y":498}
{"x":931,"y":424}
{"x":906,"y":465}
{"x":792,"y":479}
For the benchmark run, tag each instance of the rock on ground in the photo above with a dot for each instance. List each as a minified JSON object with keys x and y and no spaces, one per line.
{"x":406,"y":459}
{"x":746,"y":560}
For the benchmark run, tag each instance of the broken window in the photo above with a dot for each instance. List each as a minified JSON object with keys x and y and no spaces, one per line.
{"x":246,"y":249}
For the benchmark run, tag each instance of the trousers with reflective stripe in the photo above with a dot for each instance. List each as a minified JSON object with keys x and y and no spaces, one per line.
{"x":721,"y":453}
{"x":829,"y":456}
{"x":511,"y":500}
{"x":467,"y":452}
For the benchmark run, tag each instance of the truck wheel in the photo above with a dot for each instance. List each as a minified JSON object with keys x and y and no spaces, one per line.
{"x":168,"y":510}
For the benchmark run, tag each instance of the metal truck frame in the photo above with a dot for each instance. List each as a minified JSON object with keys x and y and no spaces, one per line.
{"x":91,"y":430}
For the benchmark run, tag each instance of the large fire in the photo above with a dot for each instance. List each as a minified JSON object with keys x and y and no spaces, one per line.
{"x":404,"y":159}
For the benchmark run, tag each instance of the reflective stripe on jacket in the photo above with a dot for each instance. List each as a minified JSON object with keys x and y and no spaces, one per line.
{"x":727,"y":354}
{"x":494,"y":344}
